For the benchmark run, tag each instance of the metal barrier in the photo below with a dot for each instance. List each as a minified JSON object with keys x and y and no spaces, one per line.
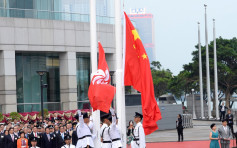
{"x":187,"y":120}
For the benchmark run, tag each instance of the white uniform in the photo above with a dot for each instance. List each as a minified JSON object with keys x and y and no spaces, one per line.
{"x":104,"y":133}
{"x":68,"y":146}
{"x":139,"y":137}
{"x":35,"y":147}
{"x":114,"y":132}
{"x":84,"y":134}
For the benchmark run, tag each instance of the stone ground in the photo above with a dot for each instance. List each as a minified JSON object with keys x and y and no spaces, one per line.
{"x":200,"y":131}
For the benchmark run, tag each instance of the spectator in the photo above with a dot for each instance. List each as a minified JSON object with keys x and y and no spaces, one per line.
{"x":22,"y":142}
{"x":11,"y":139}
{"x":224,"y":134}
{"x":179,"y":127}
{"x":230,"y":123}
{"x":222,"y":109}
{"x":130,"y":130}
{"x":214,"y":137}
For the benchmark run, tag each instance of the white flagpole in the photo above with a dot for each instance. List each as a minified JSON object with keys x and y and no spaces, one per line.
{"x":215,"y":71}
{"x":207,"y":68}
{"x":93,"y":39}
{"x":200,"y":71}
{"x":120,"y":97}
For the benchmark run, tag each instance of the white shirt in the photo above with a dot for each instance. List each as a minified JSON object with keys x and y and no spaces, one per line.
{"x":114,"y":133}
{"x":139,"y":134}
{"x":225,"y":128}
{"x":104,"y":132}
{"x":68,"y":146}
{"x":223,"y":108}
{"x":83,"y":130}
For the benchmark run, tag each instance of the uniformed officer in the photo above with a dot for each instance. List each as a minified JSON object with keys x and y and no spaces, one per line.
{"x":34,"y":142}
{"x":138,"y":133}
{"x":68,"y":144}
{"x":104,"y":130}
{"x":83,"y":132}
{"x":114,"y":132}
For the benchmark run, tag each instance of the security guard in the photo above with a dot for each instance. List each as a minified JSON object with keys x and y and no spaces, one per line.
{"x":83,"y":132}
{"x":138,"y":133}
{"x":104,"y":130}
{"x":34,"y":142}
{"x":114,"y":132}
{"x":68,"y":144}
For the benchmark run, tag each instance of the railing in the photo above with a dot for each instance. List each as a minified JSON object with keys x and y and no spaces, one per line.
{"x":52,"y":15}
{"x":187,"y":120}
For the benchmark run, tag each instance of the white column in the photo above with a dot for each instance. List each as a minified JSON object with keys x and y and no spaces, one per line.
{"x":215,"y":71}
{"x":8,"y":98}
{"x":120,"y":97}
{"x":93,"y":41}
{"x":68,"y":80}
{"x":200,"y":71}
{"x":207,"y":68}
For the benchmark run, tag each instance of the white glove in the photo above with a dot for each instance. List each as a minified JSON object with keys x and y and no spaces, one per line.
{"x":79,"y":113}
{"x":112,"y":111}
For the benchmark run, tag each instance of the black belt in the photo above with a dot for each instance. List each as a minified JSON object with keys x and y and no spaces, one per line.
{"x":107,"y":142}
{"x":116,"y":139}
{"x":135,"y":139}
{"x":84,"y":137}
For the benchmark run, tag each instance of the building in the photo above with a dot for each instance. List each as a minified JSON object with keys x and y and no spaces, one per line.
{"x":51,"y":35}
{"x":144,"y":23}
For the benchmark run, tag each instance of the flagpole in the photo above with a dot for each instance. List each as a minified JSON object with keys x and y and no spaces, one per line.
{"x":215,"y":70}
{"x":93,"y":40}
{"x":207,"y":67}
{"x":200,"y":71}
{"x":120,"y":97}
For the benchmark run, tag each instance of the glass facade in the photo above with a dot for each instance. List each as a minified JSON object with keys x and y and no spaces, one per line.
{"x":83,"y":80}
{"x":69,"y":10}
{"x":28,"y":81}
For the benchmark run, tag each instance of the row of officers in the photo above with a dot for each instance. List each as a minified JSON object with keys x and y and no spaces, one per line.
{"x":80,"y":137}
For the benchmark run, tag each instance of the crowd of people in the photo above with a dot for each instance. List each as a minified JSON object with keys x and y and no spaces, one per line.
{"x":61,"y":133}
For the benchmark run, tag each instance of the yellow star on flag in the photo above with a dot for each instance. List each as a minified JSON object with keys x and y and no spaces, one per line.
{"x":135,"y":34}
{"x":144,"y":56}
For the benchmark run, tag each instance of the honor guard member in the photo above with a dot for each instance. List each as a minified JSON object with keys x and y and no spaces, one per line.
{"x":83,"y":132}
{"x":138,"y":133}
{"x":68,"y":144}
{"x":114,"y":132}
{"x":104,"y":130}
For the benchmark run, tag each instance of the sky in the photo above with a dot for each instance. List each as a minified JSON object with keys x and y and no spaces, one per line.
{"x":176,"y":29}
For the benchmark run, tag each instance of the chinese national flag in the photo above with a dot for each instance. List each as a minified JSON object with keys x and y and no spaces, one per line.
{"x":138,"y":74}
{"x":101,"y":93}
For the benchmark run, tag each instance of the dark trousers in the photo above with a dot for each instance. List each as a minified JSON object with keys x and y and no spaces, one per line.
{"x":222,"y":116}
{"x":231,"y":128}
{"x":180,"y":134}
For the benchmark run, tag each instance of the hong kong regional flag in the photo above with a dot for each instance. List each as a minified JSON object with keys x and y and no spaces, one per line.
{"x":101,"y":93}
{"x":138,"y":74}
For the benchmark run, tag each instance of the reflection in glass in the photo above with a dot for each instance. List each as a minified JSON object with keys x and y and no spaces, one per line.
{"x":83,"y":80}
{"x":28,"y":81}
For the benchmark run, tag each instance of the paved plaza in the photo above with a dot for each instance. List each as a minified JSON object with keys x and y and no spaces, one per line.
{"x":199,"y":132}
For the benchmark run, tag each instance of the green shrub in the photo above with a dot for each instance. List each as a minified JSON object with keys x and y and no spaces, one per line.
{"x":15,"y":115}
{"x":46,"y":113}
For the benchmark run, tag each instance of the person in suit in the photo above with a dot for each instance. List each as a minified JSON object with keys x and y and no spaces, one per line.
{"x":60,"y":137}
{"x":222,"y":109}
{"x":74,"y":133}
{"x":229,"y":117}
{"x":224,"y":134}
{"x":2,"y":140}
{"x":33,"y":134}
{"x":11,"y":139}
{"x":22,"y":142}
{"x":47,"y":139}
{"x":179,"y":127}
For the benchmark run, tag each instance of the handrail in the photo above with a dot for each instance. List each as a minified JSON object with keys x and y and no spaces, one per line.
{"x":54,"y":15}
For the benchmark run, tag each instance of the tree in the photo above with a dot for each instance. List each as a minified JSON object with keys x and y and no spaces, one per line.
{"x":161,"y":78}
{"x":226,"y":64}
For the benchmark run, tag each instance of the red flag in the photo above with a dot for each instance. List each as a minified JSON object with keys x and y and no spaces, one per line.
{"x":138,"y":74}
{"x":101,"y":93}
